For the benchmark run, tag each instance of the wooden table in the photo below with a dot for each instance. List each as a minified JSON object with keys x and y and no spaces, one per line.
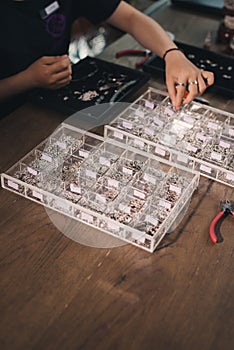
{"x":58,"y":294}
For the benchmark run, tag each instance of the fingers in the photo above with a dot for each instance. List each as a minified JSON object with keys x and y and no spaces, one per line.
{"x":183,"y":90}
{"x":208,"y":77}
{"x":53,"y":59}
{"x":197,"y":86}
{"x":60,"y":71}
{"x":172,"y":91}
{"x":185,"y":81}
{"x":180,"y":92}
{"x":193,"y":90}
{"x":61,"y":65}
{"x":64,"y":75}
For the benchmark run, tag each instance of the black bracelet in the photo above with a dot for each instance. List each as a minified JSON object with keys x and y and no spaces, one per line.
{"x":172,"y":49}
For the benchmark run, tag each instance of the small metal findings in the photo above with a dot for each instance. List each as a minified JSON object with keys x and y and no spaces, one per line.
{"x":27,"y":177}
{"x":191,"y":56}
{"x":226,"y":76}
{"x":135,"y":164}
{"x":151,"y":230}
{"x":162,"y":215}
{"x":73,"y":197}
{"x":88,"y":95}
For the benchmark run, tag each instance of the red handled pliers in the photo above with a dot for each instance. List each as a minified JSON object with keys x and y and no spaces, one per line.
{"x":215,"y":225}
{"x":129,"y":52}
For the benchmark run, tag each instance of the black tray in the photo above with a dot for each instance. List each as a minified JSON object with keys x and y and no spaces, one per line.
{"x":94,"y":82}
{"x":221,"y":65}
{"x":210,"y":6}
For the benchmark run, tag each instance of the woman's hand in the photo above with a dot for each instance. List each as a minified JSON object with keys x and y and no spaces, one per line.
{"x":51,"y":72}
{"x":184,"y":80}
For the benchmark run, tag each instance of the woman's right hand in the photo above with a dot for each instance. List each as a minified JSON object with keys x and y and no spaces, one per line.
{"x":50,"y":72}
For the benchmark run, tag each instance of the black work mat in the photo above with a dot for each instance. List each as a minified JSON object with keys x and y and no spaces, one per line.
{"x":221,"y":65}
{"x":94,"y":82}
{"x":210,"y":6}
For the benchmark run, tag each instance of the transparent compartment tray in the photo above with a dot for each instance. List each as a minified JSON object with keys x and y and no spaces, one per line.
{"x":198,"y":137}
{"x":105,"y":184}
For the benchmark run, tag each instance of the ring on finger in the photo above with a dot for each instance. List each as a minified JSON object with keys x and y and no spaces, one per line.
{"x":195,"y":82}
{"x":181,"y":84}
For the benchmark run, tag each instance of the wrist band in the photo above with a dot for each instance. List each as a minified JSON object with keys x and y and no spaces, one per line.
{"x":172,"y":49}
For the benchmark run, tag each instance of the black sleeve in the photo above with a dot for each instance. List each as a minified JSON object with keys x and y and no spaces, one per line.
{"x":95,"y":10}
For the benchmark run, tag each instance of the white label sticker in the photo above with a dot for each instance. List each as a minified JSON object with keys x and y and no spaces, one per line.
{"x":139,"y":194}
{"x":188,"y":119}
{"x":52,"y":8}
{"x":113,"y":183}
{"x":124,"y":208}
{"x":112,"y":226}
{"x":119,"y":135}
{"x":152,"y":220}
{"x":75,"y":188}
{"x":160,"y":151}
{"x":175,"y":189}
{"x":13,"y":185}
{"x":213,"y":126}
{"x":127,"y":171}
{"x":149,"y":104}
{"x":139,"y":143}
{"x":201,"y":137}
{"x":46,"y":157}
{"x":224,"y":144}
{"x":127,"y":125}
{"x":86,"y":217}
{"x":165,"y":204}
{"x":32,"y":171}
{"x":169,"y":111}
{"x":83,"y":154}
{"x":231,"y":132}
{"x":37,"y":195}
{"x":230,"y":177}
{"x":191,"y":148}
{"x":205,"y":168}
{"x":216,"y":156}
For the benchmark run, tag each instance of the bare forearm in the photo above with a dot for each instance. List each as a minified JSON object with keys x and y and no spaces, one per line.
{"x":14,"y":85}
{"x":144,"y":29}
{"x":50,"y":72}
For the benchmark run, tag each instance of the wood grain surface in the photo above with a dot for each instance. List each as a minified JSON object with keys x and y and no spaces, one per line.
{"x":57,"y":294}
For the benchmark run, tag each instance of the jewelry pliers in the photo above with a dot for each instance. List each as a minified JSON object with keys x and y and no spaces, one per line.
{"x":215,"y":225}
{"x":130,"y":52}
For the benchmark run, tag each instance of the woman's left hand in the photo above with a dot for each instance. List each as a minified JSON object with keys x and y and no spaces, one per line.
{"x":184,"y":80}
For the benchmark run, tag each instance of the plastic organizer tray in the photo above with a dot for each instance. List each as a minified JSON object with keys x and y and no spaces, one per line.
{"x":94,"y":81}
{"x":221,"y":65}
{"x":125,"y":192}
{"x":198,"y":137}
